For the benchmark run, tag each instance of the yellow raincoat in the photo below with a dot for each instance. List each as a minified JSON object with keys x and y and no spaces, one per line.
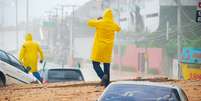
{"x":29,"y":53}
{"x":104,"y":37}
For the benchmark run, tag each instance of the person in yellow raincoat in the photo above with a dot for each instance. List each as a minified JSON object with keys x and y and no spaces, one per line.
{"x":103,"y":44}
{"x":29,"y":55}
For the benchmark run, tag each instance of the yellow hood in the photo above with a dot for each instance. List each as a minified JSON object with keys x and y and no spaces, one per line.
{"x":107,"y":15}
{"x":28,"y":37}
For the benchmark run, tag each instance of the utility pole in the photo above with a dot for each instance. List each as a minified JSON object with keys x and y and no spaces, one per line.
{"x":178,"y":37}
{"x":2,"y":6}
{"x":119,"y":43}
{"x":16,"y":22}
{"x":62,"y":15}
{"x":71,"y":30}
{"x":56,"y":21}
{"x":27,"y":15}
{"x":62,"y":35}
{"x":167,"y":30}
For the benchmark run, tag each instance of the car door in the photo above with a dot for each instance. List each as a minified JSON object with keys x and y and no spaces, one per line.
{"x":19,"y":71}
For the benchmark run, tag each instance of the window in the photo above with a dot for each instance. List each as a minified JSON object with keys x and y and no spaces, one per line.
{"x":14,"y":62}
{"x":3,"y":56}
{"x":61,"y":75}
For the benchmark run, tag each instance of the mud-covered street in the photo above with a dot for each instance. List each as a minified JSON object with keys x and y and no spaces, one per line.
{"x":51,"y":92}
{"x":77,"y":91}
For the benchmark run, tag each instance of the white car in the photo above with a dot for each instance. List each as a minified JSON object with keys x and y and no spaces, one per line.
{"x":52,"y":74}
{"x":13,"y":72}
{"x":142,"y":91}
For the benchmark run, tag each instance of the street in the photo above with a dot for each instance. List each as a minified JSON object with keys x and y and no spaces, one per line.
{"x":68,"y":50}
{"x":77,"y":91}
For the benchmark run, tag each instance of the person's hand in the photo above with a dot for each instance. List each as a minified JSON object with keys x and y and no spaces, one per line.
{"x":100,"y":18}
{"x":28,"y":69}
{"x":41,"y":61}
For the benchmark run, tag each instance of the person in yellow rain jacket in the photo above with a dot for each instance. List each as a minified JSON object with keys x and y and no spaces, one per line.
{"x":29,"y":55}
{"x":103,"y":44}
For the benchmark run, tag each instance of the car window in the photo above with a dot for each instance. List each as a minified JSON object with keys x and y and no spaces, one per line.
{"x":128,"y":92}
{"x":3,"y":56}
{"x":14,"y":62}
{"x":61,"y":75}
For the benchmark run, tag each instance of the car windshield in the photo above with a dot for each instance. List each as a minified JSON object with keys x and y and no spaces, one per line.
{"x":62,"y":75}
{"x":13,"y":59}
{"x":3,"y":56}
{"x":131,"y":92}
{"x":16,"y":63}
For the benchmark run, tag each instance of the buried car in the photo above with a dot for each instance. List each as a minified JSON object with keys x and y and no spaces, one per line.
{"x":142,"y":91}
{"x":61,"y":74}
{"x":13,"y":72}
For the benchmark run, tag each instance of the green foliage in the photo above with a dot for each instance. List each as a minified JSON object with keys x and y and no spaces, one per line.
{"x":171,"y":48}
{"x":152,"y":71}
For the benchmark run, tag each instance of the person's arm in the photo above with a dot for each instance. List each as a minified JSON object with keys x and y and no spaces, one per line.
{"x":21,"y":54}
{"x":92,"y":22}
{"x":118,"y":28}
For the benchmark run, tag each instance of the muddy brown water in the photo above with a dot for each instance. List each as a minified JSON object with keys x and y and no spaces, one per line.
{"x":78,"y":91}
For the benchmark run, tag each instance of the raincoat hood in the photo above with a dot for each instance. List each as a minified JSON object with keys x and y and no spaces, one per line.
{"x":28,"y":37}
{"x":107,"y":15}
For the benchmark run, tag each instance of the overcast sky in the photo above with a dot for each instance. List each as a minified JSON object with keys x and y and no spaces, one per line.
{"x":36,"y":8}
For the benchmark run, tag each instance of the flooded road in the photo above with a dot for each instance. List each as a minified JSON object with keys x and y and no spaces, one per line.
{"x":79,"y":91}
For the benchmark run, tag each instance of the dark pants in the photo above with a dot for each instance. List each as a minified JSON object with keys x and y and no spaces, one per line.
{"x":37,"y":75}
{"x":101,"y":73}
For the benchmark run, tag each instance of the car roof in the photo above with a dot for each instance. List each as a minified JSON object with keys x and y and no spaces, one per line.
{"x":58,"y":66}
{"x":2,"y":50}
{"x":66,"y":68}
{"x":146,"y":83}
